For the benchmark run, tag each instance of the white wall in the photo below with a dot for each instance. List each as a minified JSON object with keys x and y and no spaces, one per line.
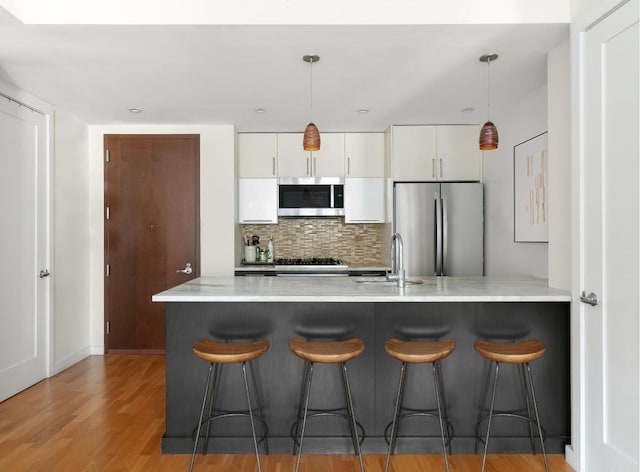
{"x":503,"y":256}
{"x":217,"y":209}
{"x":71,"y":241}
{"x":559,"y":119}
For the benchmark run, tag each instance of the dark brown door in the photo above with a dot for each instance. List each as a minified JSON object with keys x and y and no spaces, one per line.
{"x":151,"y":232}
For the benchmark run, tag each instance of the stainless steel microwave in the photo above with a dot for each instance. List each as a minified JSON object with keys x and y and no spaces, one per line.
{"x":310,"y":196}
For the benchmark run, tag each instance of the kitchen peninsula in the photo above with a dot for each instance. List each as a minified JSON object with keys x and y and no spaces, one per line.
{"x":280,"y":308}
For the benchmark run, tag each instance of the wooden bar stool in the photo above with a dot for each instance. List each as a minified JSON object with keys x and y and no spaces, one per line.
{"x":325,"y":352}
{"x":519,"y":353}
{"x":217,"y":354}
{"x":420,"y":352}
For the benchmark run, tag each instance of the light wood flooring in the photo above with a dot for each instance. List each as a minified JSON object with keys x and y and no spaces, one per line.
{"x":106,"y":413}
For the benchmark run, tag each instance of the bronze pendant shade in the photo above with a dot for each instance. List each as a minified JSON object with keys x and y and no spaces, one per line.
{"x":489,"y":133}
{"x":488,"y":137}
{"x":311,"y":139}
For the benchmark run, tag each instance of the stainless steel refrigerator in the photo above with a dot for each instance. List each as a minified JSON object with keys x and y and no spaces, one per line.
{"x":442,"y":227}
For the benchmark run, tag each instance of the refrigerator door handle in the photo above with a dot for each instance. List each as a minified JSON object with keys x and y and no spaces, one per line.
{"x":445,"y":235}
{"x":438,"y":234}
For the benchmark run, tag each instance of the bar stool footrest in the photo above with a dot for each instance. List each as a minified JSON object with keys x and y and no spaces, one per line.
{"x":331,"y":412}
{"x":431,"y":413}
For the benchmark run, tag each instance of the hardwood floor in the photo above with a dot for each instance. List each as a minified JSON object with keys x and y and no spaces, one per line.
{"x":106,"y":413}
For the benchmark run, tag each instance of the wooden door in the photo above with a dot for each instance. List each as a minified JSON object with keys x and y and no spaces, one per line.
{"x":24,"y":248}
{"x":151,"y":232}
{"x":610,"y":232}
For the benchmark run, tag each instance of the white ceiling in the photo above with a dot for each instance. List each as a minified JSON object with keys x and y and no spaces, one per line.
{"x":220,"y":74}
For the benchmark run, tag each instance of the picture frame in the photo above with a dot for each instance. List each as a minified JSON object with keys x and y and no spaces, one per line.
{"x":530,"y":190}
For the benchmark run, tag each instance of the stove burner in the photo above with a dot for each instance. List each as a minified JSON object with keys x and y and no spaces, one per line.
{"x":309,"y":261}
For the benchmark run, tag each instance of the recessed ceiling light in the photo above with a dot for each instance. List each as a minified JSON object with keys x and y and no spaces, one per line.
{"x":134,"y":109}
{"x":468,"y":109}
{"x":363,"y":110}
{"x":260,"y":110}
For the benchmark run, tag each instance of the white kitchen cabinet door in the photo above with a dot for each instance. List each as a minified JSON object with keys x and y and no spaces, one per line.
{"x":293,"y":161}
{"x":413,"y":153}
{"x":258,"y":201}
{"x":329,"y":160}
{"x":364,"y":200}
{"x":364,"y":154}
{"x":458,"y":154}
{"x":257,"y":155}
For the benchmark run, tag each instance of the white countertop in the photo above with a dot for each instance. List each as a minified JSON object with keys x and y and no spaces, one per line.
{"x":347,"y":289}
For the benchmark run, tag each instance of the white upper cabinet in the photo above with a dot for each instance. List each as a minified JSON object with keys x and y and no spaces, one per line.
{"x":257,"y":155}
{"x":293,"y":161}
{"x":459,"y":155}
{"x":435,"y":153}
{"x":364,"y":154}
{"x":258,"y":201}
{"x":364,"y":200}
{"x":329,"y":160}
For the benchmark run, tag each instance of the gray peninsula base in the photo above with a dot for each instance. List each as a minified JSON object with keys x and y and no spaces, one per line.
{"x":373,"y":376}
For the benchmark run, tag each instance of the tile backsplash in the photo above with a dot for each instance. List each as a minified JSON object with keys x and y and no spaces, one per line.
{"x":356,"y":244}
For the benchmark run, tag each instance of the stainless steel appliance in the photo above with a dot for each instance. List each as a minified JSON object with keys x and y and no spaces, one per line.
{"x":442,"y":227}
{"x":311,"y":266}
{"x":310,"y":196}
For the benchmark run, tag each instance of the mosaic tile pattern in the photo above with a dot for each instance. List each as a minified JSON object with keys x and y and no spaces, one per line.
{"x":358,"y":245}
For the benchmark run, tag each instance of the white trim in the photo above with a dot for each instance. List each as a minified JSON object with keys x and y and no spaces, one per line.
{"x":70,"y":360}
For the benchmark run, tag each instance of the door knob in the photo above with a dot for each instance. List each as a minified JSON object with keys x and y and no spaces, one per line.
{"x":187,"y":269}
{"x":591,"y":299}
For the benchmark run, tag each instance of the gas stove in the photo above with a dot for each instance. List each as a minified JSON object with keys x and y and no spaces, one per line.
{"x":311,"y":266}
{"x":310,"y":261}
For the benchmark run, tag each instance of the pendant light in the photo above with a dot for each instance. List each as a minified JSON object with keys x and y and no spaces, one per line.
{"x":489,"y":132}
{"x":311,"y":140}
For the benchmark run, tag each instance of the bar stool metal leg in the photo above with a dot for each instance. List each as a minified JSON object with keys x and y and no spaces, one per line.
{"x":354,"y":426}
{"x":204,"y":404}
{"x":535,"y":409}
{"x":443,"y":401}
{"x":436,"y":384}
{"x":396,"y":413}
{"x":303,"y":384}
{"x":307,"y":393}
{"x":525,"y":394}
{"x":217,"y":369}
{"x":253,"y":426}
{"x":493,"y":398}
{"x":256,"y":389}
{"x":485,"y":396}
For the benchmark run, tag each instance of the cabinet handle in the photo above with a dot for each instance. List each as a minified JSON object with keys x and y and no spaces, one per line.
{"x":273,"y":166}
{"x":440,"y":167}
{"x":348,"y":166}
{"x":433,"y":168}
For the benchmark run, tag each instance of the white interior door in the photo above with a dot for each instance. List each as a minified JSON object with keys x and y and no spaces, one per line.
{"x":610,"y":260}
{"x":24,"y":248}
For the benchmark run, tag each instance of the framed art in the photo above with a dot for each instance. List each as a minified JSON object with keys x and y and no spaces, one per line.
{"x":530,"y":195}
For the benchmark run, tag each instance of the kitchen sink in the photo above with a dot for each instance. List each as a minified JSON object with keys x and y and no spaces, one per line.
{"x":383,"y":280}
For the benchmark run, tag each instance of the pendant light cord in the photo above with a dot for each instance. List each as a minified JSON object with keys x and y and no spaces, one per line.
{"x":489,"y":89}
{"x":311,"y":84}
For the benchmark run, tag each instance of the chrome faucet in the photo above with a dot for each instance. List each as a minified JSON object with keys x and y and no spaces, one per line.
{"x":397,"y":260}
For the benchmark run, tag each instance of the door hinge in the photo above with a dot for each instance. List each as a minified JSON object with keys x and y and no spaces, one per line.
{"x":108,"y":213}
{"x":108,"y":327}
{"x":106,"y":155}
{"x":108,"y":270}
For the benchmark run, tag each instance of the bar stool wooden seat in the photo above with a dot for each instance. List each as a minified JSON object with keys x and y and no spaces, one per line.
{"x":218,"y":354}
{"x":325,"y":352}
{"x":420,"y":352}
{"x":519,"y":353}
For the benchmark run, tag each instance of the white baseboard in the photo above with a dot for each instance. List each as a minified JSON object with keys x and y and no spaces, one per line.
{"x":68,"y":361}
{"x":570,"y":457}
{"x":96,"y":350}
